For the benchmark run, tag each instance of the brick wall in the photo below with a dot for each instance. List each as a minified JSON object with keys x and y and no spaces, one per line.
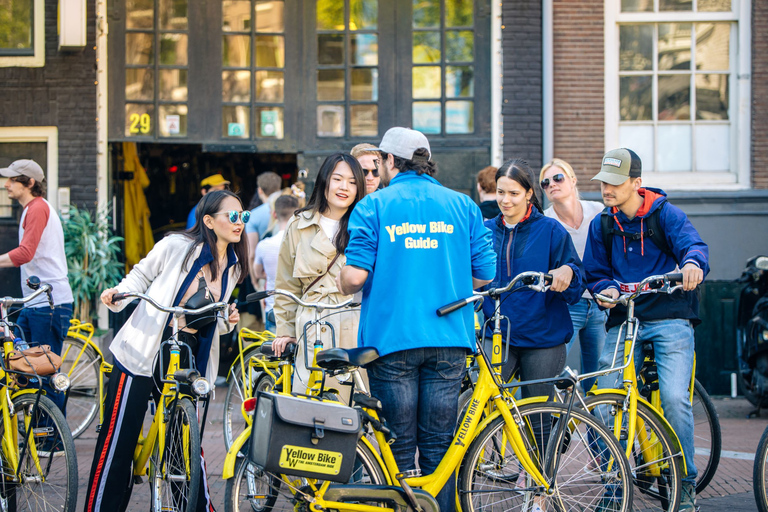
{"x":61,"y":94}
{"x":521,"y":108}
{"x":760,"y":94}
{"x":578,"y":86}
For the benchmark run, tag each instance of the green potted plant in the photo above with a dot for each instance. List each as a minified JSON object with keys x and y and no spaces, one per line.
{"x":92,"y":257}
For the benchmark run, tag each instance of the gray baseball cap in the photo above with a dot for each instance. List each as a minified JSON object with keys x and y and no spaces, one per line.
{"x":28,"y":168}
{"x":403,"y":142}
{"x":618,"y":166}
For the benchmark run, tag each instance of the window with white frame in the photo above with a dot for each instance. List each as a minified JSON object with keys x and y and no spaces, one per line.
{"x":38,"y":143}
{"x":673,"y":89}
{"x":22,"y":33}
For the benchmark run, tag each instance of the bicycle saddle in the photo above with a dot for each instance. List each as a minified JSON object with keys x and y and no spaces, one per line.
{"x":337,"y":358}
{"x":266,"y":349}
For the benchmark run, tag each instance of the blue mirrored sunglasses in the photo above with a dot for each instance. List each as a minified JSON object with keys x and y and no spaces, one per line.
{"x":233,"y":215}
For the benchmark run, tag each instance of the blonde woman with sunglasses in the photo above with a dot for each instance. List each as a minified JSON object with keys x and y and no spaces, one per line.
{"x":558,"y":181}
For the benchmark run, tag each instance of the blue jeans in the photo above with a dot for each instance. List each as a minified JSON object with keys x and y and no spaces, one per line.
{"x":47,"y":326}
{"x":421,"y":384}
{"x":589,"y":331}
{"x":673,"y":344}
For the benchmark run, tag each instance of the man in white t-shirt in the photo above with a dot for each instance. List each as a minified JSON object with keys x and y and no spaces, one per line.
{"x":265,"y":261}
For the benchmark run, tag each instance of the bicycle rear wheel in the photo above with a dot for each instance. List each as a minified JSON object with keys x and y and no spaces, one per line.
{"x":47,"y":481}
{"x":492,"y":477}
{"x":760,"y":473}
{"x":706,"y":436}
{"x":175,"y":475}
{"x":657,"y":472}
{"x":83,"y":401}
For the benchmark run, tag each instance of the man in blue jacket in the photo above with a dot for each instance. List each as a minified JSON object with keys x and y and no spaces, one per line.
{"x":415,"y":246}
{"x":665,"y":320}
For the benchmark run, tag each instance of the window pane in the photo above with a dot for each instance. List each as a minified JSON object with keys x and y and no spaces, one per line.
{"x":173,"y":84}
{"x":674,"y":46}
{"x":173,"y":14}
{"x":330,"y":85}
{"x":426,"y":13}
{"x":363,"y":14}
{"x":637,"y":5}
{"x":364,"y":49}
{"x":139,"y":49}
{"x":365,"y":84}
{"x":270,"y":16}
{"x":674,"y":148}
{"x":426,"y":116}
{"x":635,"y":98}
{"x":675,"y":5}
{"x":712,"y":97}
{"x":269,"y":86}
{"x":139,"y":119}
{"x":139,"y":14}
{"x":713,"y":147}
{"x":714,"y":5}
{"x":674,"y":97}
{"x":270,"y":122}
{"x":426,"y":47}
{"x":270,"y":51}
{"x":459,"y":46}
{"x":636,"y":47}
{"x":712,"y":43}
{"x":173,"y":49}
{"x":640,"y":139}
{"x":236,"y":51}
{"x":173,"y":120}
{"x":11,"y":151}
{"x":459,"y":82}
{"x":363,"y":120}
{"x":139,"y":84}
{"x":236,"y":16}
{"x":236,"y":86}
{"x":330,"y":49}
{"x":426,"y":82}
{"x":330,"y":120}
{"x":330,"y":15}
{"x":459,"y":116}
{"x":458,"y":13}
{"x":235,"y":121}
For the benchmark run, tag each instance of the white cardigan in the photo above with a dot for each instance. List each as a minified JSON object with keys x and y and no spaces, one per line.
{"x":160,"y":275}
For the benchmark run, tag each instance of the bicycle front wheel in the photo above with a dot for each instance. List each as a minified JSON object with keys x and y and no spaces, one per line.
{"x":234,"y":423}
{"x":174,"y":474}
{"x":46,"y":478}
{"x":760,"y":473}
{"x":83,"y":400}
{"x":583,"y":477}
{"x":707,"y":438}
{"x":655,"y":463}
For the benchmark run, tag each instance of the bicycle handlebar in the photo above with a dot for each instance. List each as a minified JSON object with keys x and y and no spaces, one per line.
{"x":34,"y":283}
{"x":176,"y":311}
{"x":654,"y":284}
{"x":537,"y":281}
{"x":257,"y":296}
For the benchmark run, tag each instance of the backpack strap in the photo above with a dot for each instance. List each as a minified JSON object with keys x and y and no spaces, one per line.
{"x":606,"y":227}
{"x":654,"y":231}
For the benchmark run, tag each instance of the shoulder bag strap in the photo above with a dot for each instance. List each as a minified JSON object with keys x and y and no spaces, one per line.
{"x":313,"y":283}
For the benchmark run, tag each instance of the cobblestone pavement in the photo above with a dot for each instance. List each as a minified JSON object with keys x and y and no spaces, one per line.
{"x":731,"y":488}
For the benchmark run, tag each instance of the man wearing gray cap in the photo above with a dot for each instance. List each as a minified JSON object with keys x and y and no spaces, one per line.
{"x":40,"y":253}
{"x":415,"y":246}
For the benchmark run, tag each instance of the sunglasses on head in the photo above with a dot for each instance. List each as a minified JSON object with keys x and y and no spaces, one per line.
{"x":234,"y":215}
{"x":557,"y":178}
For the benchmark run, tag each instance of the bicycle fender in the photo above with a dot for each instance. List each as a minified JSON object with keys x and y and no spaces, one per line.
{"x":25,"y":392}
{"x":234,"y":451}
{"x":495,"y":414}
{"x":672,"y":434}
{"x":378,"y":458}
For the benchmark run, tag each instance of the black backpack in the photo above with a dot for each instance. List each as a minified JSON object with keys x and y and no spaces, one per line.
{"x":653,"y":231}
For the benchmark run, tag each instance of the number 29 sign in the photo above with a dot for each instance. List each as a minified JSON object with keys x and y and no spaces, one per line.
{"x":139,"y":124}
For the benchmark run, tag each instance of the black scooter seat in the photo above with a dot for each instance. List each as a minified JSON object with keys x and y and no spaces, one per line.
{"x":337,"y":358}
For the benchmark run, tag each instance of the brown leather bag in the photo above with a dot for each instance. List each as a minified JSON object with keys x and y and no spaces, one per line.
{"x":40,"y":360}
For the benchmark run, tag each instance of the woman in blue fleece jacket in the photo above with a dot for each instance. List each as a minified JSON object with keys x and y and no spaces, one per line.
{"x":525,"y":240}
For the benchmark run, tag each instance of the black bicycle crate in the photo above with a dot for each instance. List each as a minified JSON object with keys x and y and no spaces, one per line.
{"x":303,"y":437}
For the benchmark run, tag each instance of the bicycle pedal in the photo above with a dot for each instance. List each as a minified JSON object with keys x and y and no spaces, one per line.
{"x":137,"y":480}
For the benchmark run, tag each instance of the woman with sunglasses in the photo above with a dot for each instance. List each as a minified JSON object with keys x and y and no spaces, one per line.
{"x":369,"y":160}
{"x":191,"y":268}
{"x":558,"y":181}
{"x":311,"y":256}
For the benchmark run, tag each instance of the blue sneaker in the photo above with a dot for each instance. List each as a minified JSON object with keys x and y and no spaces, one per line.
{"x":688,"y":497}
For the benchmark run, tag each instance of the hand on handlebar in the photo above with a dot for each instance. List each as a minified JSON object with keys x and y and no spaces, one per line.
{"x":234,"y":314}
{"x":106,"y":296}
{"x":692,"y":276}
{"x":279,"y":344}
{"x":609,"y":292}
{"x":561,"y":278}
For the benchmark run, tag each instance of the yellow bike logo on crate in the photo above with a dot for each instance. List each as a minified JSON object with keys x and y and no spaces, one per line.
{"x":309,"y":459}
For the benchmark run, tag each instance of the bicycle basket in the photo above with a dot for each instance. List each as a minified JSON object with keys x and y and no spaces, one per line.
{"x":303,"y":437}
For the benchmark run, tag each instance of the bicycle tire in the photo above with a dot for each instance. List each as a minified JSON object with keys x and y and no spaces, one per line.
{"x":83,"y":400}
{"x":760,"y":473}
{"x":233,"y":421}
{"x":706,"y":436}
{"x":492,"y":470}
{"x":172,"y":488}
{"x":652,"y":493}
{"x":56,"y":487}
{"x":253,"y":490}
